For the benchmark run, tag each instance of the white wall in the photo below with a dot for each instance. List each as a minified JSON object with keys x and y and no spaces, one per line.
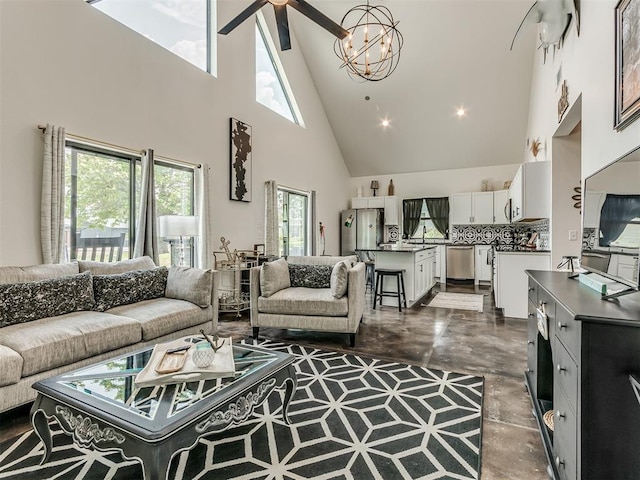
{"x":64,"y":62}
{"x":588,"y":64}
{"x":565,"y":176}
{"x":438,"y":183}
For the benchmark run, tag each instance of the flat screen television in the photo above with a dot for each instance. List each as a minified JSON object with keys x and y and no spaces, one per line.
{"x":611,"y":221}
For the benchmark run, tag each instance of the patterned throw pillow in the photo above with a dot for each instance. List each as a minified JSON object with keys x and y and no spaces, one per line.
{"x":310,"y":276}
{"x":24,"y":302}
{"x":130,"y":287}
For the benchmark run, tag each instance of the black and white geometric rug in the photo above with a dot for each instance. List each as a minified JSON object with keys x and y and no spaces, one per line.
{"x":352,"y":418}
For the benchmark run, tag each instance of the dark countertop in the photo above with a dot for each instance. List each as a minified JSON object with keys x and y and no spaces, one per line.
{"x":404,"y":248}
{"x":586,"y":304}
{"x":519,"y":249}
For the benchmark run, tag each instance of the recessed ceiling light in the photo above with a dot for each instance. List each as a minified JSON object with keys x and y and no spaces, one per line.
{"x":461,"y":112}
{"x":385,"y":123}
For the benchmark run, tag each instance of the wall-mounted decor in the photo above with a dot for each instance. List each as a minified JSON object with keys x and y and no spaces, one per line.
{"x":240,"y":177}
{"x":627,"y":106}
{"x":563,"y":101}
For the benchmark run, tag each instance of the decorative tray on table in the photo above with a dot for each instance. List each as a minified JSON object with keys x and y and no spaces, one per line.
{"x":172,"y":362}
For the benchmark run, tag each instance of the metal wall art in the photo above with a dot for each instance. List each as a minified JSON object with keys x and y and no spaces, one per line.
{"x":240,"y":177}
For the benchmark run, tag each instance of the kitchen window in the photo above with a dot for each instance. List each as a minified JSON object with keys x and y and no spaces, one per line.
{"x":426,"y":224}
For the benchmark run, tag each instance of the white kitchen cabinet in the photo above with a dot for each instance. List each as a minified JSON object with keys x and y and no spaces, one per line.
{"x":360,"y":202}
{"x":500,"y":207}
{"x":392,"y":213}
{"x":440,"y":264}
{"x":475,"y":208}
{"x":375,"y":202}
{"x":593,"y":202}
{"x":461,"y":210}
{"x":390,"y":204}
{"x":511,"y":282}
{"x":482,"y":264}
{"x":624,"y":266}
{"x":530,"y":192}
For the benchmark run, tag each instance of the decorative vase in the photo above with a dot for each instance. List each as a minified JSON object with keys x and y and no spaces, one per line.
{"x":203,"y":355}
{"x":391,"y":189}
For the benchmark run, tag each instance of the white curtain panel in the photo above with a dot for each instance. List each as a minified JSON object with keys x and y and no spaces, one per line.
{"x":315,"y":226}
{"x":147,"y":227}
{"x":204,"y":255}
{"x":52,"y":201}
{"x":271,"y":246}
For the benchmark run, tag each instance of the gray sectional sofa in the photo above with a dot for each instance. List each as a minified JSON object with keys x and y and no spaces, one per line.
{"x":55,"y":318}
{"x":309,"y":293}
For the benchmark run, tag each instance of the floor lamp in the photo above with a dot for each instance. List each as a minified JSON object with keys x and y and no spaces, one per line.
{"x":178,"y":226}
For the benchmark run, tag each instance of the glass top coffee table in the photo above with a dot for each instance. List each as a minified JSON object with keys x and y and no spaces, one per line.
{"x":100,"y":406}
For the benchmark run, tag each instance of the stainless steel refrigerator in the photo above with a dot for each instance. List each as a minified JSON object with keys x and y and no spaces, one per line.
{"x":360,"y":229}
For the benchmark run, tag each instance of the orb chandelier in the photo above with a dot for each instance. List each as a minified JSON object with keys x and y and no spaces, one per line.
{"x":371,"y":51}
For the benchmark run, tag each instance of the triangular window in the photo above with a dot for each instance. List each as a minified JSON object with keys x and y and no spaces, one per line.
{"x":272,"y":88}
{"x":183,"y":27}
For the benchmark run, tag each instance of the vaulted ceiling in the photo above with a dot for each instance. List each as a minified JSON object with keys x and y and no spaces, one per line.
{"x":455,"y":54}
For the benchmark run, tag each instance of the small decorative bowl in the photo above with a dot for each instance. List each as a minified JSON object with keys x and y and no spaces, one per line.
{"x":203,"y":355}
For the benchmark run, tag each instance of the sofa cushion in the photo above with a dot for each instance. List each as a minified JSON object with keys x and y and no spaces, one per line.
{"x":10,"y":366}
{"x":304,"y":301}
{"x":164,"y":315}
{"x":274,"y":276}
{"x":37,"y":272}
{"x":310,"y":276}
{"x":190,"y":284}
{"x":55,"y":341}
{"x":24,"y":302}
{"x":106,"y":268}
{"x":130,"y":287}
{"x":339,"y":279}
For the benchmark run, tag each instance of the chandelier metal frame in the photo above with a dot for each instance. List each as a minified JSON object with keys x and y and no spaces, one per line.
{"x":372,"y":26}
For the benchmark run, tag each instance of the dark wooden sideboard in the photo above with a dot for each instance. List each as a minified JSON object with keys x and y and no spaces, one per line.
{"x":584,"y":373}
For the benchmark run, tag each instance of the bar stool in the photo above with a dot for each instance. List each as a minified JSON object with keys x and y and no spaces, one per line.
{"x":379,"y":291}
{"x":370,"y":274}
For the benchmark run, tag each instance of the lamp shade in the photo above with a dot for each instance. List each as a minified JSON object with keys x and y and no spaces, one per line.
{"x":177,"y":226}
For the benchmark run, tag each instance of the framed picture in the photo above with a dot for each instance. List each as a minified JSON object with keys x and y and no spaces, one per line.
{"x":627,"y":106}
{"x":258,"y":248}
{"x":240,"y":173}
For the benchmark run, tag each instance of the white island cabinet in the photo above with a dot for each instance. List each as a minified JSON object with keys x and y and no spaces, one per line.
{"x":418,"y":263}
{"x":511,"y":282}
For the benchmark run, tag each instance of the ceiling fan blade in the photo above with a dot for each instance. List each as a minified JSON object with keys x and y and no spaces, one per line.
{"x":246,"y":13}
{"x":282,"y":20}
{"x":320,"y":18}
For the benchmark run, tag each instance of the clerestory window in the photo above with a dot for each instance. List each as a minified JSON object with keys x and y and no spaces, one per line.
{"x":184,"y":27}
{"x":272,"y":87}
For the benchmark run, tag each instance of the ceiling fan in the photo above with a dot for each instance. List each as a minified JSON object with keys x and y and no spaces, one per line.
{"x":280,"y":7}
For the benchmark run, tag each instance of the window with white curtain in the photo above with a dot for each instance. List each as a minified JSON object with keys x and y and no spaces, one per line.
{"x":102,"y":195}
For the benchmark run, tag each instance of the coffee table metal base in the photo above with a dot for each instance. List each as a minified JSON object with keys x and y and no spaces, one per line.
{"x":91,"y":428}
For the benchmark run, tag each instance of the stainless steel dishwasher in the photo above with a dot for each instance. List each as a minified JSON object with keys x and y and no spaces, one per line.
{"x":460,"y":262}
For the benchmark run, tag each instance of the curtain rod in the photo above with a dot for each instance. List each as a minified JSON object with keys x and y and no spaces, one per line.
{"x":100,"y":143}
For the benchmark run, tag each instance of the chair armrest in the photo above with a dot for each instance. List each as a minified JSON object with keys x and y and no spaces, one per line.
{"x":356,"y":291}
{"x":254,"y":288}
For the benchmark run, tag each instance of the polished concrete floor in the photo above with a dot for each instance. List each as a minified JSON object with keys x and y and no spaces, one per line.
{"x":485,"y":344}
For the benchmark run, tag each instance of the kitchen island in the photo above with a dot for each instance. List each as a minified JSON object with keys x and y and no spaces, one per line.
{"x":419,"y":264}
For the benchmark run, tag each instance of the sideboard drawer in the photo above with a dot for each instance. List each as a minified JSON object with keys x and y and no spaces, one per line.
{"x":564,"y":436}
{"x":533,"y":292}
{"x":568,"y":332}
{"x":565,"y":374}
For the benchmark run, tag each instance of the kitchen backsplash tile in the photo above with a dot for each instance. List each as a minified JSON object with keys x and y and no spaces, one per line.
{"x":502,"y":234}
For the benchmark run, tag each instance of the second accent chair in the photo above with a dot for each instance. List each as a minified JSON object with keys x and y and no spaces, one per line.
{"x":325,"y":294}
